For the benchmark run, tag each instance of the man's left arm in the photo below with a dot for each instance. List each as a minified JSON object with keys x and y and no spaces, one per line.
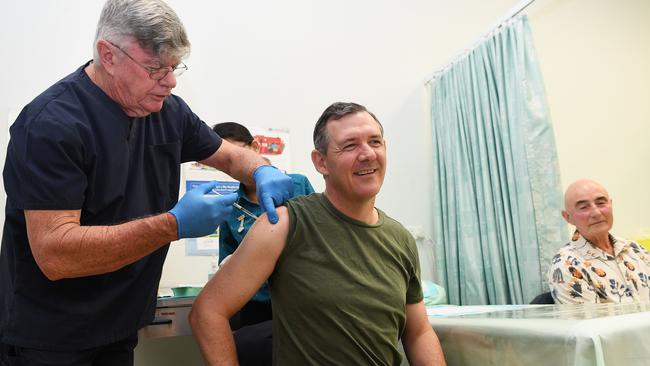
{"x":419,"y":340}
{"x":273,"y":187}
{"x":236,"y":281}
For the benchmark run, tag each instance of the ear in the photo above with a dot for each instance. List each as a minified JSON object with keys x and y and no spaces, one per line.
{"x":106,"y":55}
{"x":318,"y":159}
{"x":565,"y":214}
{"x":255,"y":145}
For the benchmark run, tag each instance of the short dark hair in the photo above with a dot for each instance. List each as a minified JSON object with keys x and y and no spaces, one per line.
{"x":234,"y":131}
{"x":335,"y":112}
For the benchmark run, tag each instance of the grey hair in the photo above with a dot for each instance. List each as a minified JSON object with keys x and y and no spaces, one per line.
{"x":335,"y":112}
{"x":152,"y":23}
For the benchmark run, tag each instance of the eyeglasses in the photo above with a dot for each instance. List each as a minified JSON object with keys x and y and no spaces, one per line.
{"x":156,"y":73}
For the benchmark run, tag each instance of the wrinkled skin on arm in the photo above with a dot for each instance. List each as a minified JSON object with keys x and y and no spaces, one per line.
{"x":63,"y":248}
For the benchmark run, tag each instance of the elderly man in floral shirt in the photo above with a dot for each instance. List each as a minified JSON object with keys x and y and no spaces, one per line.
{"x":596,"y":267}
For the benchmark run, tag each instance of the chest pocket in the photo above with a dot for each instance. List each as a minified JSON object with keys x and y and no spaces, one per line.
{"x":162,"y":164}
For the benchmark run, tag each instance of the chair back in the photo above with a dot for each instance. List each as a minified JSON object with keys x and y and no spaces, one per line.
{"x":543,"y":298}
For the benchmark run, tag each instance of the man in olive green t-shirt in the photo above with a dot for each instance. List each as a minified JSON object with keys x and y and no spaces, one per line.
{"x":344,"y":276}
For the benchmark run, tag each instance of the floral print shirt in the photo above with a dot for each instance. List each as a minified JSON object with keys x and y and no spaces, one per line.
{"x":582,"y":273}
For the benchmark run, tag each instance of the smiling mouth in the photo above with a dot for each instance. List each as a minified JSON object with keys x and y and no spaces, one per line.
{"x":365,"y":172}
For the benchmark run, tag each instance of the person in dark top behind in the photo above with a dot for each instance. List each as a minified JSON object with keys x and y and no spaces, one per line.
{"x":92,"y":179}
{"x":234,"y":229}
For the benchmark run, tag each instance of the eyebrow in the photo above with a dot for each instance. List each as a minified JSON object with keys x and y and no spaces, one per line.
{"x":355,"y":138}
{"x":599,"y":198}
{"x":151,"y":60}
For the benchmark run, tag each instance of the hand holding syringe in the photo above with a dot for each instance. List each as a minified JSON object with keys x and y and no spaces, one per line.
{"x":237,"y":205}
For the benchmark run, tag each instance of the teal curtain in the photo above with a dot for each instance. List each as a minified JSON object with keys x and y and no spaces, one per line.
{"x":497,"y":195}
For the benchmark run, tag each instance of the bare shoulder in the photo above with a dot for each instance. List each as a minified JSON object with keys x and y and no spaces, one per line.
{"x":267,"y":235}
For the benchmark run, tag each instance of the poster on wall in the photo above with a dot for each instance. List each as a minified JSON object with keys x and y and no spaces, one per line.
{"x":274,"y":146}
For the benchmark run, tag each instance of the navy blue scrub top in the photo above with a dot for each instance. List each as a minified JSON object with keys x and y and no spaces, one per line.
{"x":74,"y":148}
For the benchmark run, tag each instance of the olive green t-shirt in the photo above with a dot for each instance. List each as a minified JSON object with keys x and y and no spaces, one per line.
{"x":340,"y":287}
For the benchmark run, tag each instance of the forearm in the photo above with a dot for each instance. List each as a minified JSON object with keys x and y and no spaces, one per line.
{"x":64,"y":249}
{"x":238,"y":162}
{"x":246,"y":164}
{"x":420,"y":341}
{"x":424,"y":349}
{"x":214,"y":337}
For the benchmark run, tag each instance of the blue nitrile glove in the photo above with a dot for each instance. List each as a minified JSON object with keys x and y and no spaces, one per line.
{"x":198,"y":213}
{"x":273,"y":189}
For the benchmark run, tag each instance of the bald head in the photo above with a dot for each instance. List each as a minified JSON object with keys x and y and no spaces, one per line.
{"x":587,"y":205}
{"x":579,"y":188}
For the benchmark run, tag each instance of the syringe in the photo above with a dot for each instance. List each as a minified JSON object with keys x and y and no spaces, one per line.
{"x":237,"y":205}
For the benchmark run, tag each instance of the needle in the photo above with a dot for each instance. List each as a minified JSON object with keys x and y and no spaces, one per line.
{"x":239,"y":207}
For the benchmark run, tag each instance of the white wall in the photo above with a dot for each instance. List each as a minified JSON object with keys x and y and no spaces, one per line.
{"x":595,"y":59}
{"x":278,"y":64}
{"x":281,"y":63}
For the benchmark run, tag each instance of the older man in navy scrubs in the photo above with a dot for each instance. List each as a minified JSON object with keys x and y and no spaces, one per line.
{"x":92,"y":181}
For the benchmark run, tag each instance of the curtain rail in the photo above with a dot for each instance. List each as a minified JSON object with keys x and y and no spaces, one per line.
{"x":511,"y":14}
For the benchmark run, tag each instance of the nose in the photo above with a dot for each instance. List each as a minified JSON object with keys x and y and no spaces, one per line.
{"x":594,"y":211}
{"x":367,"y":153}
{"x":169,"y":81}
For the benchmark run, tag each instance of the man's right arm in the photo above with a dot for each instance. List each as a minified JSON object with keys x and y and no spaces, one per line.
{"x":233,"y":285}
{"x":63,"y":248}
